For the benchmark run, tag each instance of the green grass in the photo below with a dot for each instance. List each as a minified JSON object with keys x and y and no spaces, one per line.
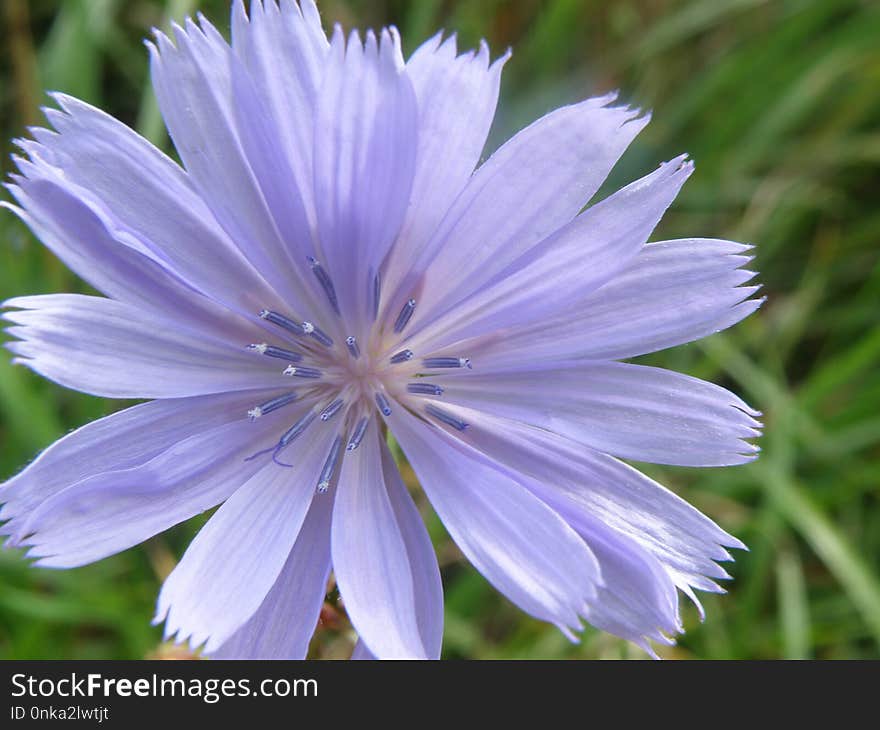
{"x":776,"y":101}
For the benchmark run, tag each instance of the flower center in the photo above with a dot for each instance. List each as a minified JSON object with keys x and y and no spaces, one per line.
{"x":347,"y":382}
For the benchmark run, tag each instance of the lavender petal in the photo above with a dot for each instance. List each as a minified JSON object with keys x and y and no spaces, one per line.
{"x":519,"y":544}
{"x":236,"y":558}
{"x":370,"y":557}
{"x":632,"y":411}
{"x":112,"y":511}
{"x":364,"y":156}
{"x":145,"y":199}
{"x":119,"y":442}
{"x":284,"y":623}
{"x":547,"y":280}
{"x":502,"y":213}
{"x":108,"y":348}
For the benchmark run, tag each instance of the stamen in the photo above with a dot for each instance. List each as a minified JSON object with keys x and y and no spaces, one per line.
{"x":424,"y":389}
{"x":290,"y":435}
{"x":358,"y":434}
{"x":375,"y":293}
{"x":383,"y":404}
{"x":324,"y":280}
{"x":301,"y":372}
{"x":278,"y":352}
{"x":405,"y":313}
{"x":271,"y":405}
{"x":446,"y":362}
{"x":281,"y":321}
{"x":352,"y":344}
{"x":446,"y":418}
{"x":332,"y":409}
{"x":402,"y":356}
{"x":330,"y":466}
{"x":310,"y":329}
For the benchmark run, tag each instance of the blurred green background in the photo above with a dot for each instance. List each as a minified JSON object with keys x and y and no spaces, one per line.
{"x":778,"y":103}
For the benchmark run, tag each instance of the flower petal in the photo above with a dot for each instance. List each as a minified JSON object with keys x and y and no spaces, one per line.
{"x":365,"y":147}
{"x":108,"y":512}
{"x":145,"y":200}
{"x":88,"y":246}
{"x":123,"y":440}
{"x":533,"y":185}
{"x":519,"y":544}
{"x":580,"y":257}
{"x":671,"y":293}
{"x":108,"y":348}
{"x":456,"y":97}
{"x":423,"y":560}
{"x":633,"y":411}
{"x":370,"y":558}
{"x":193,"y":84}
{"x":283,"y":625}
{"x":683,"y":540}
{"x":637,"y":599}
{"x":236,"y":558}
{"x":282,"y":53}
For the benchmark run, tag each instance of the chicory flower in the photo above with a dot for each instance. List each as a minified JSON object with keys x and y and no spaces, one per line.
{"x":329,"y":263}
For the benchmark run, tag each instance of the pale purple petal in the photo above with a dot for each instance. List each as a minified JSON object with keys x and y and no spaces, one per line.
{"x":633,"y":411}
{"x":108,"y":512}
{"x":108,"y":348}
{"x":365,"y":148}
{"x":282,"y":52}
{"x":673,"y":292}
{"x":236,"y":558}
{"x":121,"y":441}
{"x":456,"y":97}
{"x":370,"y":557}
{"x":383,"y":558}
{"x":87,"y":244}
{"x":193,"y":84}
{"x":283,"y":625}
{"x":519,"y":544}
{"x":680,"y":537}
{"x":144,"y":199}
{"x":637,"y":600}
{"x":420,"y":552}
{"x":533,"y":185}
{"x":578,"y":258}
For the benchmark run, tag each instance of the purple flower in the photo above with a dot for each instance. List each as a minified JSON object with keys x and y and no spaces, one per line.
{"x":327,"y":264}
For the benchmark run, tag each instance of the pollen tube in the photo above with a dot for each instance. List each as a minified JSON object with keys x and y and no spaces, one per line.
{"x":271,"y":405}
{"x":358,"y":434}
{"x":329,"y":466}
{"x":322,"y":337}
{"x":278,"y":352}
{"x":324,"y":280}
{"x":290,"y":435}
{"x":424,"y":389}
{"x":402,"y":356}
{"x":446,"y":362}
{"x":446,"y":418}
{"x":281,"y":321}
{"x":405,"y":313}
{"x":301,"y":372}
{"x":375,"y":293}
{"x":383,"y":404}
{"x":332,"y":409}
